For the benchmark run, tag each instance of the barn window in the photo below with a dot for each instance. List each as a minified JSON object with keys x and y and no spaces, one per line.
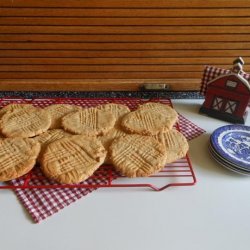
{"x":231,"y":84}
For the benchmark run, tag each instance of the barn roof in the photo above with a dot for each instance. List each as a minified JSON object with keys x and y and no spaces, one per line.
{"x":211,"y":73}
{"x":240,"y":77}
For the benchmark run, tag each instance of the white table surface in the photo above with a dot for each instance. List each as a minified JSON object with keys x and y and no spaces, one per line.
{"x":213,"y":214}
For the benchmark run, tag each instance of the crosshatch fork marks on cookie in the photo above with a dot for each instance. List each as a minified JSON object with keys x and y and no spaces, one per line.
{"x":179,"y":173}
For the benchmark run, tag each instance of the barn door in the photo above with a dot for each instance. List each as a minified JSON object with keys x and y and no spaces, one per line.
{"x":217,"y":103}
{"x":230,"y":107}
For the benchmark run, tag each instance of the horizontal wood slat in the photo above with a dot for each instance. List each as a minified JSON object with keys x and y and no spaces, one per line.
{"x":98,"y":75}
{"x":126,"y":38}
{"x":123,"y":53}
{"x":96,"y":84}
{"x":124,"y":30}
{"x":124,"y":46}
{"x":118,"y":44}
{"x":105,"y":68}
{"x":120,"y":61}
{"x":126,"y":4}
{"x":121,"y":12}
{"x":134,"y":21}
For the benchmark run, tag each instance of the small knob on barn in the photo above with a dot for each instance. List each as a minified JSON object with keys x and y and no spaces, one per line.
{"x":238,"y":65}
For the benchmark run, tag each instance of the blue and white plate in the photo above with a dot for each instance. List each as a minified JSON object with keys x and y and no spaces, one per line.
{"x":232,"y":142}
{"x":226,"y":165}
{"x":225,"y":160}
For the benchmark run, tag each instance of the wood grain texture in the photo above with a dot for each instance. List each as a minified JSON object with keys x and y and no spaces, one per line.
{"x":143,"y":38}
{"x":117,"y":44}
{"x":122,"y":53}
{"x":133,"y":21}
{"x":124,"y":12}
{"x":94,"y":84}
{"x":125,"y":4}
{"x":123,"y":46}
{"x":105,"y":68}
{"x":98,"y":75}
{"x":124,"y":30}
{"x":119,"y":61}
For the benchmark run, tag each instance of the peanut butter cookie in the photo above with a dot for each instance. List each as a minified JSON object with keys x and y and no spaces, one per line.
{"x":49,"y":136}
{"x":146,"y":122}
{"x":137,"y":155}
{"x":108,"y":138}
{"x":175,"y":144}
{"x":166,"y":110}
{"x":17,"y":157}
{"x":57,"y":112}
{"x":25,"y":122}
{"x":118,"y":110}
{"x":72,"y":159}
{"x":14,"y":107}
{"x":91,"y":122}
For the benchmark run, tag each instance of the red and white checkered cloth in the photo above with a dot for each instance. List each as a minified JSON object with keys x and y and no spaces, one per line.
{"x":211,"y":72}
{"x":42,"y":203}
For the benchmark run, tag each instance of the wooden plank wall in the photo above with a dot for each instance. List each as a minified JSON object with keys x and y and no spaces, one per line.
{"x":118,"y":44}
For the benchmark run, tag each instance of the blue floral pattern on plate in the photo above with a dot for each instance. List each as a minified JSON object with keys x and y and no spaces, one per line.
{"x":227,"y":165}
{"x":232,"y":142}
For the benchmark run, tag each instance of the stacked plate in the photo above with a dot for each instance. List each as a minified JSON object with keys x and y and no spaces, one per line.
{"x":230,"y":146}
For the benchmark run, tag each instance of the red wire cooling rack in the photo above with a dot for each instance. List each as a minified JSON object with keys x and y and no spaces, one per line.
{"x":179,"y":173}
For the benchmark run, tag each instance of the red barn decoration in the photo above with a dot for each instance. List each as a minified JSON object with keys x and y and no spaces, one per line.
{"x":227,"y":92}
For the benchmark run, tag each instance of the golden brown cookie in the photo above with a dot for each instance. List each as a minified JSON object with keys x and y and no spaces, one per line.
{"x":108,"y":138}
{"x":89,"y":122}
{"x":17,"y":157}
{"x":25,"y":122}
{"x":14,"y":107}
{"x":146,"y":122}
{"x":57,"y":112}
{"x":118,"y":110}
{"x":72,"y":159}
{"x":50,"y":136}
{"x":166,"y":110}
{"x":137,"y":155}
{"x":175,"y":144}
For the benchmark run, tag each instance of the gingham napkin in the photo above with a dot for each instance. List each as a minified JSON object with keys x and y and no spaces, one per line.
{"x":42,"y":203}
{"x":211,"y":72}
